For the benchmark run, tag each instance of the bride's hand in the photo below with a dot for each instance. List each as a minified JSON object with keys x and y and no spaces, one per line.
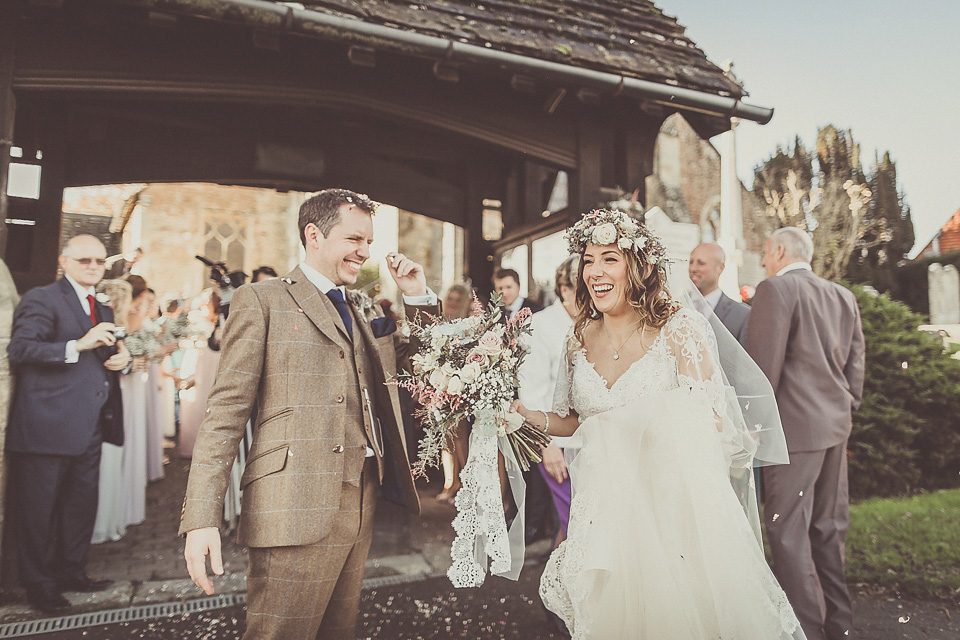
{"x":517,"y":407}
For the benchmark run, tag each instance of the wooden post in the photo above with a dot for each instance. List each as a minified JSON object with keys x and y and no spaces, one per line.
{"x":8,"y":293}
{"x":585,"y":183}
{"x":481,"y":183}
{"x":636,"y":162}
{"x":8,"y":104}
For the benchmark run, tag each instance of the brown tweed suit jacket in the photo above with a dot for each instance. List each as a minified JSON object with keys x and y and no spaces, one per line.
{"x":282,"y":346}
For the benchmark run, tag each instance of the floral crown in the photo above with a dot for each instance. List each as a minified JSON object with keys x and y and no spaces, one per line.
{"x":611,"y":226}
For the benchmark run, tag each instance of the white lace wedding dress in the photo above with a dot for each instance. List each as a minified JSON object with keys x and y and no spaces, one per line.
{"x":659,"y":546}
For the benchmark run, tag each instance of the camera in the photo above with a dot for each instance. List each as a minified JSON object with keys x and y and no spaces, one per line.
{"x":227,"y":281}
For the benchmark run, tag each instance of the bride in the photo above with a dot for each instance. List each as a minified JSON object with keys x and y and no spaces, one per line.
{"x":663,"y":540}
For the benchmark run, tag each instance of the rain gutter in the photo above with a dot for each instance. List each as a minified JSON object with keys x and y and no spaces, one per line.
{"x":293,"y":18}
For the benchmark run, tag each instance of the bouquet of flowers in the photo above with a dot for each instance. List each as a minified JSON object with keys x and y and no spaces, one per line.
{"x":467,"y":368}
{"x":178,"y":328}
{"x":141,"y":343}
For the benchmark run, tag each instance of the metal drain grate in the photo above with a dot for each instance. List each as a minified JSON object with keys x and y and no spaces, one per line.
{"x":113,"y":616}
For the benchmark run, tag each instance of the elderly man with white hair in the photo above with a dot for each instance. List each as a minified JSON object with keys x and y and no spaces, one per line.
{"x":806,"y":335}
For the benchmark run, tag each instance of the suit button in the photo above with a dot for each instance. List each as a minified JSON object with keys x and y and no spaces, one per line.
{"x":341,"y":355}
{"x":339,"y":398}
{"x":359,"y":370}
{"x":338,"y":448}
{"x":106,"y":383}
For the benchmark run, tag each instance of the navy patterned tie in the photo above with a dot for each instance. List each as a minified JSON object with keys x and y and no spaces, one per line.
{"x":337,"y":299}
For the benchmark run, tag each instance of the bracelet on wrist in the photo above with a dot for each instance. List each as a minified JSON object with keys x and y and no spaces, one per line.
{"x":546,"y":422}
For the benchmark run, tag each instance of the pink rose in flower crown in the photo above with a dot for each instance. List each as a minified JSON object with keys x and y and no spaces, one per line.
{"x":490,"y":343}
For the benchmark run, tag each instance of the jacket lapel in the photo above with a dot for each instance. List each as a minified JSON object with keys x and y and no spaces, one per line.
{"x":721,"y":308}
{"x":73,"y":303}
{"x":316,"y":306}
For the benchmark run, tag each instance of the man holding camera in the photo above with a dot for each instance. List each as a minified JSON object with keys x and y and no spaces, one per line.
{"x":63,"y":349}
{"x":315,"y":357}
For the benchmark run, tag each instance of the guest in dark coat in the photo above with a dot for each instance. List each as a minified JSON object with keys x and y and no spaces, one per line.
{"x":506,"y":282}
{"x":707,"y":262}
{"x":63,"y":350}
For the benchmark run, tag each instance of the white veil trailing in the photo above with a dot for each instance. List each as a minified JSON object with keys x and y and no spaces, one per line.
{"x":757,"y":437}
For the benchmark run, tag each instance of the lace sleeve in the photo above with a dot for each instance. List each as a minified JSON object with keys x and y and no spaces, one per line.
{"x":689,"y":338}
{"x":563,"y":392}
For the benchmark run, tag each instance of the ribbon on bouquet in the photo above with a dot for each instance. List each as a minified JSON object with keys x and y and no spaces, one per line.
{"x":482,"y":535}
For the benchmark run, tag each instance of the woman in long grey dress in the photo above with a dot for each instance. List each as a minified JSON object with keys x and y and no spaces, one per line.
{"x":110,"y":523}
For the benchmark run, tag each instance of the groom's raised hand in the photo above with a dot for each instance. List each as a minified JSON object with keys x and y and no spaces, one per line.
{"x":201,"y":542}
{"x":407,"y":274}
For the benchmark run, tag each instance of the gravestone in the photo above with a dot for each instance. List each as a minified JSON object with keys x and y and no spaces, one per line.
{"x":944,"y":291}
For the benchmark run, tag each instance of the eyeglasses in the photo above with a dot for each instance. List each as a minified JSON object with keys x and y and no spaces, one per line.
{"x":88,"y":261}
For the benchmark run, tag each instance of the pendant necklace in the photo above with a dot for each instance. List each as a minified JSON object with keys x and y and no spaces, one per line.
{"x":616,"y":350}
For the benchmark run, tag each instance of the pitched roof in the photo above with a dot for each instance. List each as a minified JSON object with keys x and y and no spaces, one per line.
{"x":947,"y":238}
{"x":627,"y":37}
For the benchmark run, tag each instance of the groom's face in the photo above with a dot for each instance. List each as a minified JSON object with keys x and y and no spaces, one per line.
{"x":342,"y":253}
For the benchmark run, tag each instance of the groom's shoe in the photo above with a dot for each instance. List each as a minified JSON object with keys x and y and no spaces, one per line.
{"x":83,"y":583}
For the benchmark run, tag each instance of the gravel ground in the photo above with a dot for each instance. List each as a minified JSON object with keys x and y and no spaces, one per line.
{"x":510,"y":610}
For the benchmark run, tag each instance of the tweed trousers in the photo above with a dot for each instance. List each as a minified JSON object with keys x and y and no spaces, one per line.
{"x":313,"y":591}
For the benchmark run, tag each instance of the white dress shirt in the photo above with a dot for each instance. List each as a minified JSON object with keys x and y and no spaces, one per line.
{"x":795,"y":266}
{"x":713,"y":298}
{"x":514,"y":308}
{"x":71,"y":354}
{"x":539,"y":371}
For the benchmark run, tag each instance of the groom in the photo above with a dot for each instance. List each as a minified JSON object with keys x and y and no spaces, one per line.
{"x":328,"y":431}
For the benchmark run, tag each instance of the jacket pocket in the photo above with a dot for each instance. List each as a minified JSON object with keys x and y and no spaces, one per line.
{"x":273,"y":416}
{"x":265,"y":464}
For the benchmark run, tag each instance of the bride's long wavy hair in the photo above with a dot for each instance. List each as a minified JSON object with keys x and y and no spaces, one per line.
{"x":646,"y":292}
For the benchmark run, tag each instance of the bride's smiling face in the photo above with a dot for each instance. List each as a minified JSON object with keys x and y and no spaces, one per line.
{"x":605,"y":274}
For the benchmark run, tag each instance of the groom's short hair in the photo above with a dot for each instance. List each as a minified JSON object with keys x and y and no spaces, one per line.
{"x":323,"y":209}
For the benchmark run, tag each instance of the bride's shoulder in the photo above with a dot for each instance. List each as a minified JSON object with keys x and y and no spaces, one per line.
{"x":684,"y":322}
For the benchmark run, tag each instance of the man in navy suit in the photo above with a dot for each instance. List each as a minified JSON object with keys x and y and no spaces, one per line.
{"x":63,"y":349}
{"x":707,"y":262}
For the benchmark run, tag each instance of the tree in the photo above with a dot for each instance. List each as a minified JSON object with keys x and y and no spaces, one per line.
{"x":827,"y":194}
{"x":876,"y":265}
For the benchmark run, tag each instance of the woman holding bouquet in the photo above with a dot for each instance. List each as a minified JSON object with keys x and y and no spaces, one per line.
{"x":663,"y":539}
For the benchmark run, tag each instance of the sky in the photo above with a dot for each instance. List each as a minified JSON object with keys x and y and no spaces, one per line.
{"x":890,"y":71}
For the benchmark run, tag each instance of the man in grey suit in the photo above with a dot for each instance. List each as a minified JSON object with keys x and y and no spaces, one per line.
{"x":805,"y":334}
{"x":707,"y":262}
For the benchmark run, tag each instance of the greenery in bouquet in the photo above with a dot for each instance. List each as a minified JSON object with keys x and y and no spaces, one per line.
{"x":141,"y":343}
{"x":178,"y":328}
{"x":467,"y":368}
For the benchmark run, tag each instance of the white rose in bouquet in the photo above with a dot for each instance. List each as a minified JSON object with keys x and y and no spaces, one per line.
{"x":490,"y":344}
{"x":438,"y":379}
{"x":470,"y":372}
{"x":605,"y":234}
{"x":455,"y":386}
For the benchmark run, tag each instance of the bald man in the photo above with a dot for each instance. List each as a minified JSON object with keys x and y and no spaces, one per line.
{"x":65,"y":356}
{"x":707,"y":262}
